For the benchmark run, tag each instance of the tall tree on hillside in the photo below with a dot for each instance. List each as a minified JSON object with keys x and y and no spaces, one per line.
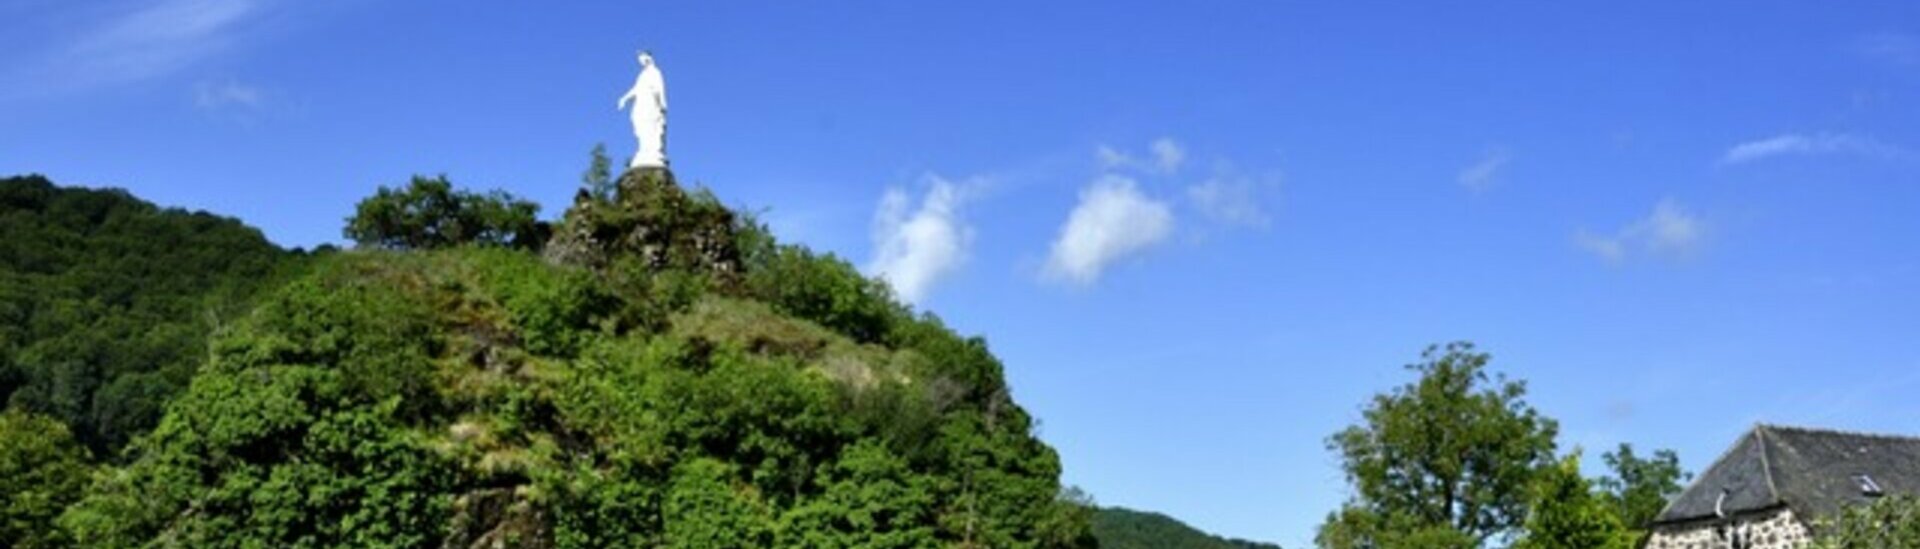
{"x":598,"y":179}
{"x":1445,"y":461}
{"x":428,"y":213}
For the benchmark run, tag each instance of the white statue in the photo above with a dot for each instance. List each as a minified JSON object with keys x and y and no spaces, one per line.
{"x":649,"y":97}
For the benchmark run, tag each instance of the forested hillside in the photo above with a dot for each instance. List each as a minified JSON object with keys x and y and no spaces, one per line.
{"x":676,"y":378}
{"x":1119,"y":528}
{"x":106,"y":302}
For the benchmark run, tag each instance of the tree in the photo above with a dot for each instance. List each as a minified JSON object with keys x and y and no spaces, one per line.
{"x":429,"y":214}
{"x":1639,"y":488}
{"x":1445,"y":461}
{"x":1892,"y":521}
{"x":42,"y":470}
{"x":598,"y":179}
{"x":1565,"y":512}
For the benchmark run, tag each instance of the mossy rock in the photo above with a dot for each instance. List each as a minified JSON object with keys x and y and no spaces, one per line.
{"x":652,"y":219}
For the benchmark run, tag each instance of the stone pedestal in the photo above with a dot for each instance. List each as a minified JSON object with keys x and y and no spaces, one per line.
{"x":649,"y":218}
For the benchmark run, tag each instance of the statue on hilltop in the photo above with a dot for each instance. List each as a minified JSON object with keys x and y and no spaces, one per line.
{"x":649,"y":97}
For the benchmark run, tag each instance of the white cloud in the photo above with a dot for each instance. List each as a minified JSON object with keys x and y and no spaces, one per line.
{"x":1167,"y":154}
{"x":1670,"y":230}
{"x":214,"y":95}
{"x":1482,"y":175}
{"x":1801,"y":144}
{"x":1112,"y":221}
{"x":1232,"y":198}
{"x":915,"y":248}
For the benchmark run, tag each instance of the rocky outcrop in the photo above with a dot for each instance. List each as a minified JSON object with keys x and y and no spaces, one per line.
{"x":651,"y":218}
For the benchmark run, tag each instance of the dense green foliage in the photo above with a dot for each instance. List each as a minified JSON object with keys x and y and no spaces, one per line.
{"x":1889,"y":522}
{"x":1457,"y":459}
{"x":1119,"y":528}
{"x":1445,"y":461}
{"x":1639,"y":488}
{"x":42,"y":470}
{"x":482,"y":395}
{"x":429,"y":213}
{"x":106,"y":302}
{"x":1565,"y":512}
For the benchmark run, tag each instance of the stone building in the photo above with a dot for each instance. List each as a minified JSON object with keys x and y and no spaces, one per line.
{"x":1767,"y":490}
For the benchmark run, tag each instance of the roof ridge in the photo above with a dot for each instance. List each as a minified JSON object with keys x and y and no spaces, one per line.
{"x":1698,"y":479}
{"x":1766,"y":465}
{"x":1826,"y":430}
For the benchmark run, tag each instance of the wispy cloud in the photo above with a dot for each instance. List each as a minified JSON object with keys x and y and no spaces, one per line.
{"x":1111,"y":158}
{"x":1112,"y":221}
{"x":1670,"y":230}
{"x":915,"y":247}
{"x":1484,"y":174}
{"x":1891,"y":47}
{"x":1802,"y":144}
{"x":221,"y":94}
{"x":1165,"y":156}
{"x":1233,"y":198}
{"x":139,"y":42}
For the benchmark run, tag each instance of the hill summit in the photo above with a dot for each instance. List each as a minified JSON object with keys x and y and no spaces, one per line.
{"x":663,"y":374}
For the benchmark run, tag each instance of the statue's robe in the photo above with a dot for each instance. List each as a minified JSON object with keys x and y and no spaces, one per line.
{"x":650,"y":119}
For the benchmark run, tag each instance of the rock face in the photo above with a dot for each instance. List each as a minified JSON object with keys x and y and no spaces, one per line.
{"x":651,"y":218}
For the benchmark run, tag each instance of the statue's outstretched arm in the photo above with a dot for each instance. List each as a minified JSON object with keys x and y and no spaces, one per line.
{"x":633,"y":94}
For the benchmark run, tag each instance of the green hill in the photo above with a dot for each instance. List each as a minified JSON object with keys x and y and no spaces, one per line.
{"x":106,"y":302}
{"x":675,"y":378}
{"x":1119,"y":528}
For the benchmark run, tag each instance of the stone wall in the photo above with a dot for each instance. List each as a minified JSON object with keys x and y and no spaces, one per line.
{"x":1777,"y":530}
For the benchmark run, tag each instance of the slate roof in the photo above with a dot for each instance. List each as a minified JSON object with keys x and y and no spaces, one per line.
{"x":1813,"y":471}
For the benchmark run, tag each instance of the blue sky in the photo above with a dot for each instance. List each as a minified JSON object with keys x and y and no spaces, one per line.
{"x":1200,"y":235}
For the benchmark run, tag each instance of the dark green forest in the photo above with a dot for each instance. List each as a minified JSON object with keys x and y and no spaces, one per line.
{"x":106,"y":302}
